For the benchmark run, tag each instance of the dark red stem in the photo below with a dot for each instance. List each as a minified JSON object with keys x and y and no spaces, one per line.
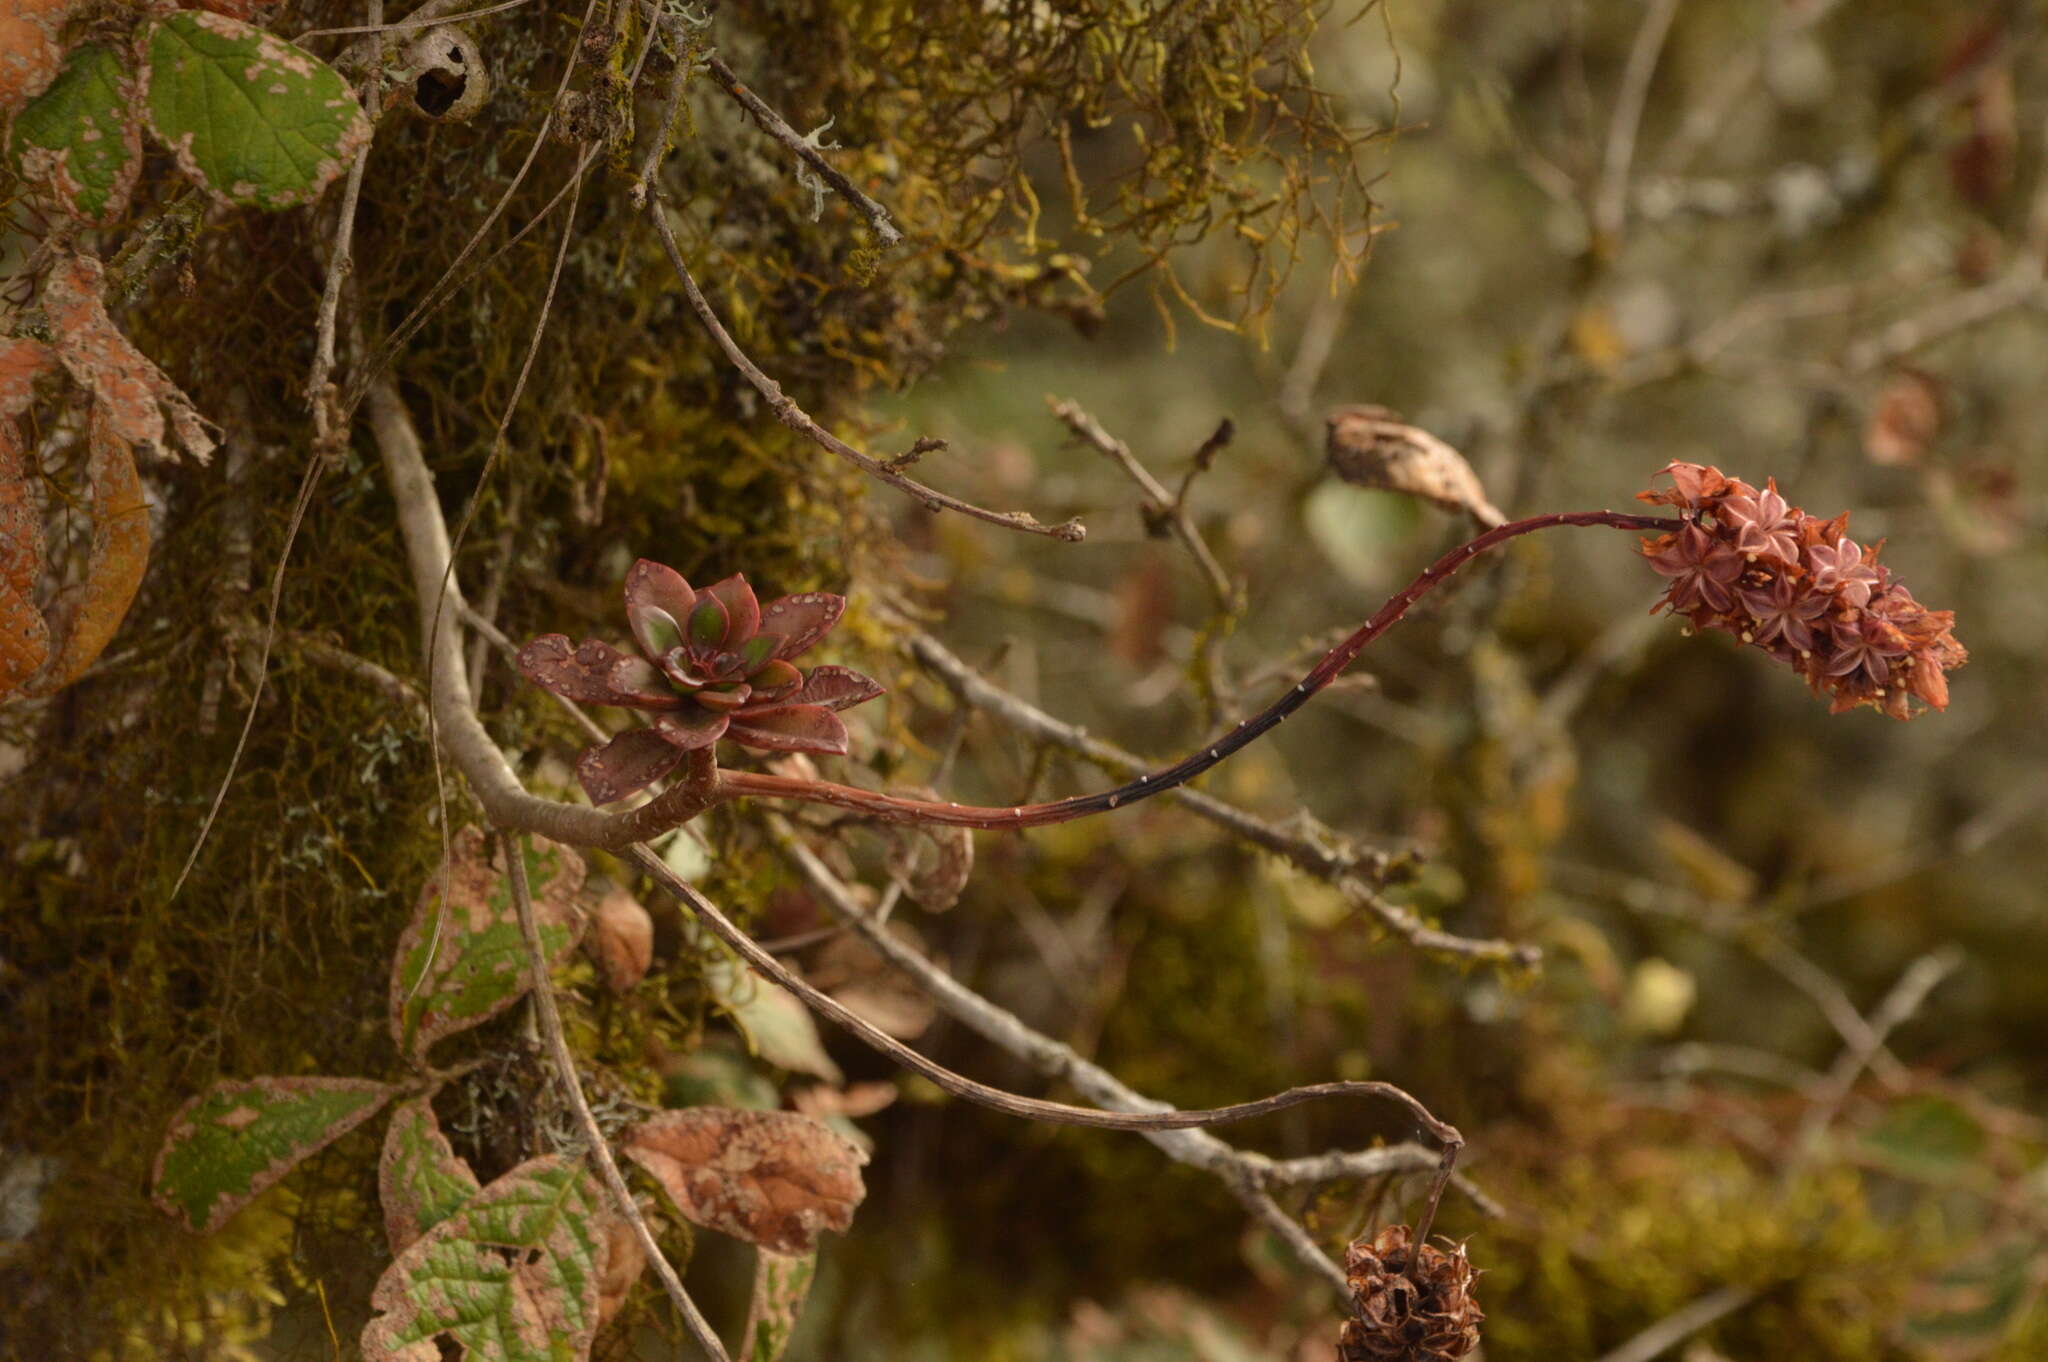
{"x":893,"y":809}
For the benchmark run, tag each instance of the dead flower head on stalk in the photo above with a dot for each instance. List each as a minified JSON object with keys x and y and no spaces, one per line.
{"x":713,"y":664}
{"x":1799,"y":588}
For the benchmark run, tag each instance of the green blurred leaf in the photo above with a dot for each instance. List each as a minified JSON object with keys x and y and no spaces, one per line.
{"x":775,"y":1023}
{"x":237,"y":1139}
{"x":455,"y":970}
{"x":421,"y":1181}
{"x":80,"y":141}
{"x":781,"y":1281}
{"x":1926,"y":1136}
{"x":254,"y":119}
{"x":512,"y":1277}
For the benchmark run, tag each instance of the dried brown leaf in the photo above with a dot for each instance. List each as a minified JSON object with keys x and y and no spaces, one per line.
{"x":934,"y":863}
{"x":1372,"y":447}
{"x":134,"y":393}
{"x":623,"y":940}
{"x":772,"y":1178}
{"x":24,"y":634}
{"x":1907,"y":418}
{"x":624,"y":1260}
{"x":84,"y":619}
{"x":857,"y":976}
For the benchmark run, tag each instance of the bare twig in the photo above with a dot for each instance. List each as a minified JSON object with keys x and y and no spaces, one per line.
{"x":1705,"y":117}
{"x":1682,"y":1324}
{"x":1920,"y":979}
{"x":572,"y":1087}
{"x":1610,"y":202}
{"x":772,"y":124}
{"x":1160,"y":506}
{"x":2017,"y":287}
{"x":797,"y":419}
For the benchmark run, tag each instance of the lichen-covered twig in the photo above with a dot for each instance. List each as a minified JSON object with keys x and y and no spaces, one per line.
{"x":797,"y":419}
{"x":772,"y":123}
{"x":572,"y":1087}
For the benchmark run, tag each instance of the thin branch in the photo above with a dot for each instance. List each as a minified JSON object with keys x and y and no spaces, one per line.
{"x":1610,"y":202}
{"x":2019,"y":286}
{"x":797,"y":419}
{"x":1920,"y":979}
{"x":1704,"y":119}
{"x":572,"y":1087}
{"x":1244,"y":1171}
{"x":772,"y":124}
{"x":1682,"y":1324}
{"x":1156,"y":1116}
{"x":1160,"y":506}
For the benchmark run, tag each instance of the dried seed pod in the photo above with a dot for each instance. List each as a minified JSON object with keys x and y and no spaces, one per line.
{"x":444,"y":74}
{"x":1409,"y":1302}
{"x":1373,"y":447}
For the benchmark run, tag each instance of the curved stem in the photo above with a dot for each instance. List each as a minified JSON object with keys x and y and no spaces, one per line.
{"x":895,"y":809}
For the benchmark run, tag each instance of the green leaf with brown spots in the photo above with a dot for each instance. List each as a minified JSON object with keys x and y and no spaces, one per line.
{"x":781,"y":1281}
{"x":512,"y":1277}
{"x":234,"y":1141}
{"x":259,"y":122}
{"x":80,"y":141}
{"x":421,"y":1180}
{"x":462,"y":967}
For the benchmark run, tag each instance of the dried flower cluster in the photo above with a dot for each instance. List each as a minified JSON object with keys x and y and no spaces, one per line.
{"x":713,"y":664}
{"x":1799,"y":588}
{"x":1409,"y":1302}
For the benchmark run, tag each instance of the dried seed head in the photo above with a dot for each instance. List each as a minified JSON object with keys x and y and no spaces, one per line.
{"x":1409,"y":1302}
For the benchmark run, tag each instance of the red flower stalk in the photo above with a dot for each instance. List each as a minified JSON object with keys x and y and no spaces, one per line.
{"x":1799,"y":588}
{"x":713,"y":664}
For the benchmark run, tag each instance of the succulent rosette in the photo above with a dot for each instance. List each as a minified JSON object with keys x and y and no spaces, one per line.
{"x":1798,"y":587}
{"x":712,"y":664}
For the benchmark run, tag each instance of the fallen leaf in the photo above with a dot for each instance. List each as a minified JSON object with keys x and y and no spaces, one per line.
{"x":624,"y":1260}
{"x":623,"y":939}
{"x":822,"y":1100}
{"x":85,"y":617}
{"x":237,"y":1139}
{"x":134,"y":392}
{"x":454,"y":972}
{"x":857,"y":976}
{"x":772,"y":1178}
{"x":934,"y":863}
{"x":421,"y":1180}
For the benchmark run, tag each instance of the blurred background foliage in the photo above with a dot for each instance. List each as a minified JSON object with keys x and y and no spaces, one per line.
{"x":1798,"y":240}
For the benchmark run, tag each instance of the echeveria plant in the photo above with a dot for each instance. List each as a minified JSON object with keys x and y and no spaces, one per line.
{"x":712,"y":664}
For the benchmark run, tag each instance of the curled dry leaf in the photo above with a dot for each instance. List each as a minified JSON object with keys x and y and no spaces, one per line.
{"x":1907,"y":418}
{"x":1373,"y":447}
{"x":857,"y":976}
{"x":772,"y":1178}
{"x":134,"y":392}
{"x":624,"y":1260}
{"x":934,"y":879}
{"x":820,"y":1100}
{"x":85,"y":618}
{"x":623,"y":940}
{"x":24,"y":634}
{"x":31,"y":48}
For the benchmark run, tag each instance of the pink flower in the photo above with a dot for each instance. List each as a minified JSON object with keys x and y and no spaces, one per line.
{"x":1765,"y":526}
{"x":1840,"y":570}
{"x":1702,"y":570}
{"x":1784,"y":611}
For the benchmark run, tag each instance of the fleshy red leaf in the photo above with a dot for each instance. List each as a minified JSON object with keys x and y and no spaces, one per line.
{"x":626,"y":765}
{"x":777,"y":681}
{"x":511,"y":1277}
{"x":580,"y":673}
{"x":802,"y":619}
{"x":837,"y":688}
{"x":742,"y":608}
{"x":791,"y":728}
{"x":772,"y":1178}
{"x":457,"y":969}
{"x":690,"y":729}
{"x":640,"y":684}
{"x":709,"y":623}
{"x":234,"y":1141}
{"x":421,"y":1180}
{"x":658,"y":600}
